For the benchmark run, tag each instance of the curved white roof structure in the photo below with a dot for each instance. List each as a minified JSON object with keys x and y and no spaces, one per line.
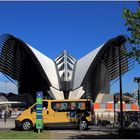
{"x":48,"y":66}
{"x":80,"y":71}
{"x":64,"y":77}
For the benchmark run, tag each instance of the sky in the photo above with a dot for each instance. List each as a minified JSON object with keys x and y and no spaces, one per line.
{"x":78,"y":27}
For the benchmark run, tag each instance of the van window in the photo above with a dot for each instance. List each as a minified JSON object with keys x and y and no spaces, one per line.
{"x":44,"y":106}
{"x":83,"y":105}
{"x":33,"y":108}
{"x":60,"y":106}
{"x":70,"y":106}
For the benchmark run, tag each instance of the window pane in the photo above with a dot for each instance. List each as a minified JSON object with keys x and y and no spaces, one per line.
{"x":60,"y":106}
{"x":69,"y":106}
{"x":45,"y":105}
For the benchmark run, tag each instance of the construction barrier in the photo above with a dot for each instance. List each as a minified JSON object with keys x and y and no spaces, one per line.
{"x":110,"y":107}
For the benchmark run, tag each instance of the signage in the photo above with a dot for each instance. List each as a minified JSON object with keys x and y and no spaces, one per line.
{"x":39,"y":96}
{"x":73,"y":114}
{"x":135,"y":95}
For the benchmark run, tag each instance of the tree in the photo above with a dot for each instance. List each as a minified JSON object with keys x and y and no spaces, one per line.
{"x":133,"y":26}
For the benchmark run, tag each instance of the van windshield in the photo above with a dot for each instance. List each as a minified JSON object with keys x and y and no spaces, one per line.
{"x":69,"y":106}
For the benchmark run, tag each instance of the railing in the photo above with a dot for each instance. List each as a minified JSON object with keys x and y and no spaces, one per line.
{"x":13,"y":115}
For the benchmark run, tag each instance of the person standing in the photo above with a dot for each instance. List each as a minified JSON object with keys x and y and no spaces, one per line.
{"x":0,"y":113}
{"x":5,"y":115}
{"x":10,"y":112}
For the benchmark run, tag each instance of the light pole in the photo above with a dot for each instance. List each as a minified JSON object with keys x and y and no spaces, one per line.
{"x":6,"y":85}
{"x":114,"y":109}
{"x":137,"y":80}
{"x":120,"y":79}
{"x":119,"y":41}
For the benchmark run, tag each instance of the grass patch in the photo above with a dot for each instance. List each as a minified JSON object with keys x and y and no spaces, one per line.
{"x":23,"y":135}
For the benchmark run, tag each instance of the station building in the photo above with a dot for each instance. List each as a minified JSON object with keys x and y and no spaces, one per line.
{"x":65,"y":77}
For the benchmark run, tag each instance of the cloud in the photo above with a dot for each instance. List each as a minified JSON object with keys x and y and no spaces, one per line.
{"x":7,"y":86}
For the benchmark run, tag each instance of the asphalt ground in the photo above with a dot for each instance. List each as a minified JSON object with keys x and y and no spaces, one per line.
{"x":59,"y":132}
{"x":9,"y":124}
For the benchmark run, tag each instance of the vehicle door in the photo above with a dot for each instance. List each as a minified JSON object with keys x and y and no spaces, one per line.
{"x":60,"y":112}
{"x":45,"y":112}
{"x":33,"y":113}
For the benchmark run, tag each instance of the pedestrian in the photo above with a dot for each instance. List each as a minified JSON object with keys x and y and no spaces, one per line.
{"x":97,"y":119}
{"x":5,"y":115}
{"x":10,"y":112}
{"x":94,"y":120}
{"x":0,"y":113}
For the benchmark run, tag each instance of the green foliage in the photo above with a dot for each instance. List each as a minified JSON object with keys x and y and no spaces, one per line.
{"x":133,"y":26}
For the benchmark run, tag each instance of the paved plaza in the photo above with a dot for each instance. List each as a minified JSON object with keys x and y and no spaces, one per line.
{"x":9,"y":124}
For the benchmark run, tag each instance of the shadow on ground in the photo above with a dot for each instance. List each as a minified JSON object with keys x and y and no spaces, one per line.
{"x":105,"y":135}
{"x":60,"y":128}
{"x":89,"y":134}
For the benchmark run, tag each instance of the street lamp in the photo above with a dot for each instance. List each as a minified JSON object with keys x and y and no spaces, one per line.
{"x":119,"y":41}
{"x":137,"y":80}
{"x":115,"y":100}
{"x":5,"y":85}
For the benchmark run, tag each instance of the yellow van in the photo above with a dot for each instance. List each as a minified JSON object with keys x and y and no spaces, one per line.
{"x":58,"y":112}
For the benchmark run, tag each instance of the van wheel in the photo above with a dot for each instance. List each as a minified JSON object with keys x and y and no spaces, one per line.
{"x":27,"y":125}
{"x":83,"y":125}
